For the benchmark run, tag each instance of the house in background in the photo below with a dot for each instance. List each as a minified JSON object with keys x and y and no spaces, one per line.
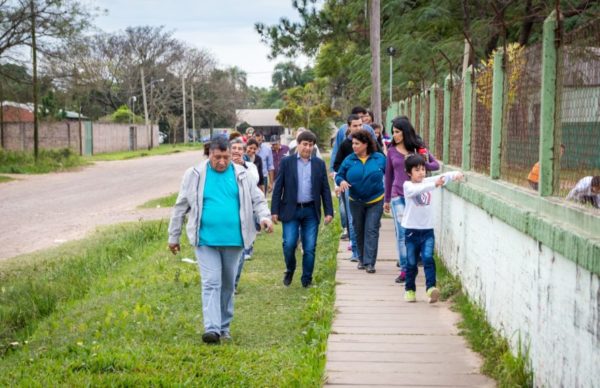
{"x":15,"y":112}
{"x":263,"y":120}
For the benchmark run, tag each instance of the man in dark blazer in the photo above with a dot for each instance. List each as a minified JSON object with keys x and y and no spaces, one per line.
{"x":300,"y":186}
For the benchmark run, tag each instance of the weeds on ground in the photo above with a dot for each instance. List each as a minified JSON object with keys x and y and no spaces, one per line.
{"x":163,"y":149}
{"x":168,"y":201}
{"x":498,"y":360}
{"x":5,"y":179}
{"x":21,"y":162}
{"x":119,"y":309}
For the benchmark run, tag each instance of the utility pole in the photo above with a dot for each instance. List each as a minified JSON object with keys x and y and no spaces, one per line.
{"x":375,"y":38}
{"x":35,"y":83}
{"x":184,"y":114}
{"x":149,"y":129}
{"x":193,"y":115}
{"x":391,"y":52}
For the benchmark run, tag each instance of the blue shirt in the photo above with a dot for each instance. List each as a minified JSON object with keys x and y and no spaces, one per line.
{"x":341,"y":136}
{"x":266,"y":154}
{"x":220,"y":225}
{"x":304,"y":180}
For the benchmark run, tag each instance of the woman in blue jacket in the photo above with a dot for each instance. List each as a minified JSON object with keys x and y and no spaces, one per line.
{"x":361,"y":173}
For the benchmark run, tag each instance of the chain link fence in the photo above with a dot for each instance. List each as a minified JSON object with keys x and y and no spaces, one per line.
{"x":521,"y":124}
{"x":439,"y":123}
{"x":481,"y":120}
{"x":456,"y":125}
{"x":579,"y":104}
{"x":425,"y":124}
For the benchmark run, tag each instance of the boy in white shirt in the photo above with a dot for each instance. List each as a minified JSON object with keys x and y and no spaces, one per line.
{"x":587,"y":190}
{"x":418,"y":222}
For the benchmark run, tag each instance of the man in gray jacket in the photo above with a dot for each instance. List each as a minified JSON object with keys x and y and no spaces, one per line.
{"x":221,"y":202}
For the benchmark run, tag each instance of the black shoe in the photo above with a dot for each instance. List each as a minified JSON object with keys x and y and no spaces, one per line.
{"x":360,"y":265}
{"x":287,"y":278}
{"x":306,"y":284}
{"x":210,"y":337}
{"x":370,"y":268}
{"x":397,"y":264}
{"x":344,"y":236}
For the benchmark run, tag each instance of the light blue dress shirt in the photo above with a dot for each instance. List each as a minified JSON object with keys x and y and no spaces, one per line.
{"x":304,"y":180}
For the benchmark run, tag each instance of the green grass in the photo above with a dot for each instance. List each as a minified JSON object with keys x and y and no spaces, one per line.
{"x":119,"y":309}
{"x":167,"y":201}
{"x":21,"y":162}
{"x":163,"y":149}
{"x":5,"y":179}
{"x":498,"y":361}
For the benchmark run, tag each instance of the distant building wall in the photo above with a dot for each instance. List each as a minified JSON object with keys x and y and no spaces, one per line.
{"x":107,"y":137}
{"x":19,"y":136}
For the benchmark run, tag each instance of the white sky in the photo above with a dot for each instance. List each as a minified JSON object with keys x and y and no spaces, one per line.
{"x":225,"y":28}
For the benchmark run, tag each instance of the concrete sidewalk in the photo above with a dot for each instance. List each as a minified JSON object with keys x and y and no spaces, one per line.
{"x":380,"y":340}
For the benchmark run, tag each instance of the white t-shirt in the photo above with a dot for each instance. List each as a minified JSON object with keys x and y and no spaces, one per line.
{"x":418,"y":213}
{"x":582,"y":189}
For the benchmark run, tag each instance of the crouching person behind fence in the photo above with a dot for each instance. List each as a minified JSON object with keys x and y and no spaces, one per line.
{"x":221,"y":202}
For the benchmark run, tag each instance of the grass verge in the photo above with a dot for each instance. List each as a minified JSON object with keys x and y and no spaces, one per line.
{"x":168,"y":201}
{"x":5,"y":179}
{"x":119,"y":309}
{"x":498,"y":361}
{"x":21,"y":162}
{"x":163,"y":149}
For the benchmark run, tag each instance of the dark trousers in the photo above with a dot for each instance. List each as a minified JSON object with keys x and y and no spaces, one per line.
{"x":366,"y":219}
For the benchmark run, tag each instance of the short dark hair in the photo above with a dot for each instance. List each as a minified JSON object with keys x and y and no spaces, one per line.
{"x":307,"y":135}
{"x":595,"y":181}
{"x":375,"y":126}
{"x":358,"y":109}
{"x":259,"y":133}
{"x":364,"y":136}
{"x":351,"y":118}
{"x":252,"y":142}
{"x":412,"y":161}
{"x":234,"y":135}
{"x":219,"y":143}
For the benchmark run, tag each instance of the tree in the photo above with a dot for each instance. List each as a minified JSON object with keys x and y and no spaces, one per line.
{"x":429,"y":37}
{"x":308,"y":106}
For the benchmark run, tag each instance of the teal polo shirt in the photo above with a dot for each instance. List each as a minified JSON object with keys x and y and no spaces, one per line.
{"x":220,"y":225}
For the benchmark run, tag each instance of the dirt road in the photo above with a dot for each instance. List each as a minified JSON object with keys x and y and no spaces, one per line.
{"x":41,"y":211}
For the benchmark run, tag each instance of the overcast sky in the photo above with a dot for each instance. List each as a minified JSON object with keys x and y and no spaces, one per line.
{"x":225,"y":28}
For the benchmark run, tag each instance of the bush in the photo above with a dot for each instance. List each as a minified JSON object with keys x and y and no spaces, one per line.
{"x":21,"y":162}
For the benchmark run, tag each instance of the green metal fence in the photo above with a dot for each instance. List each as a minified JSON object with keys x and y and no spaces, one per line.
{"x":510,"y":116}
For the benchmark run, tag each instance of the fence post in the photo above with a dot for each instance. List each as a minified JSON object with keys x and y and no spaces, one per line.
{"x":422,"y":105}
{"x":447,"y":109}
{"x":497,"y":113}
{"x":413,"y":108}
{"x":432,"y":118}
{"x":467,"y":118}
{"x":548,"y":107}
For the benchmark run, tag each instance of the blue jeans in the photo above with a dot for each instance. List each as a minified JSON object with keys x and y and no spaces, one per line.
{"x":397,"y":204}
{"x":367,"y":221}
{"x":420,"y":242}
{"x":306,"y":225}
{"x":218,"y":268}
{"x":342,"y":207}
{"x":351,"y":228}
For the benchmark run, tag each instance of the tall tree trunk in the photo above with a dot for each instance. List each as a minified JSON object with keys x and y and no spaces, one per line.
{"x":375,"y":35}
{"x":527,"y":25}
{"x":34,"y":83}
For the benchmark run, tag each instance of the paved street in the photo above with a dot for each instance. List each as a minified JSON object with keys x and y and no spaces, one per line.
{"x":42,"y":211}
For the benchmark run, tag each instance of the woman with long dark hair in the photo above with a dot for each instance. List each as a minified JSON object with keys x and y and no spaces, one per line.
{"x":405,"y":142}
{"x":361,"y":176}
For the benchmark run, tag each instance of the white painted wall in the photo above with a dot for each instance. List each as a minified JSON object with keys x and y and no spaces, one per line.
{"x":527,"y":290}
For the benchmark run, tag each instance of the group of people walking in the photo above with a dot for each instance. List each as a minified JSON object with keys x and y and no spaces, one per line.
{"x":224,"y":198}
